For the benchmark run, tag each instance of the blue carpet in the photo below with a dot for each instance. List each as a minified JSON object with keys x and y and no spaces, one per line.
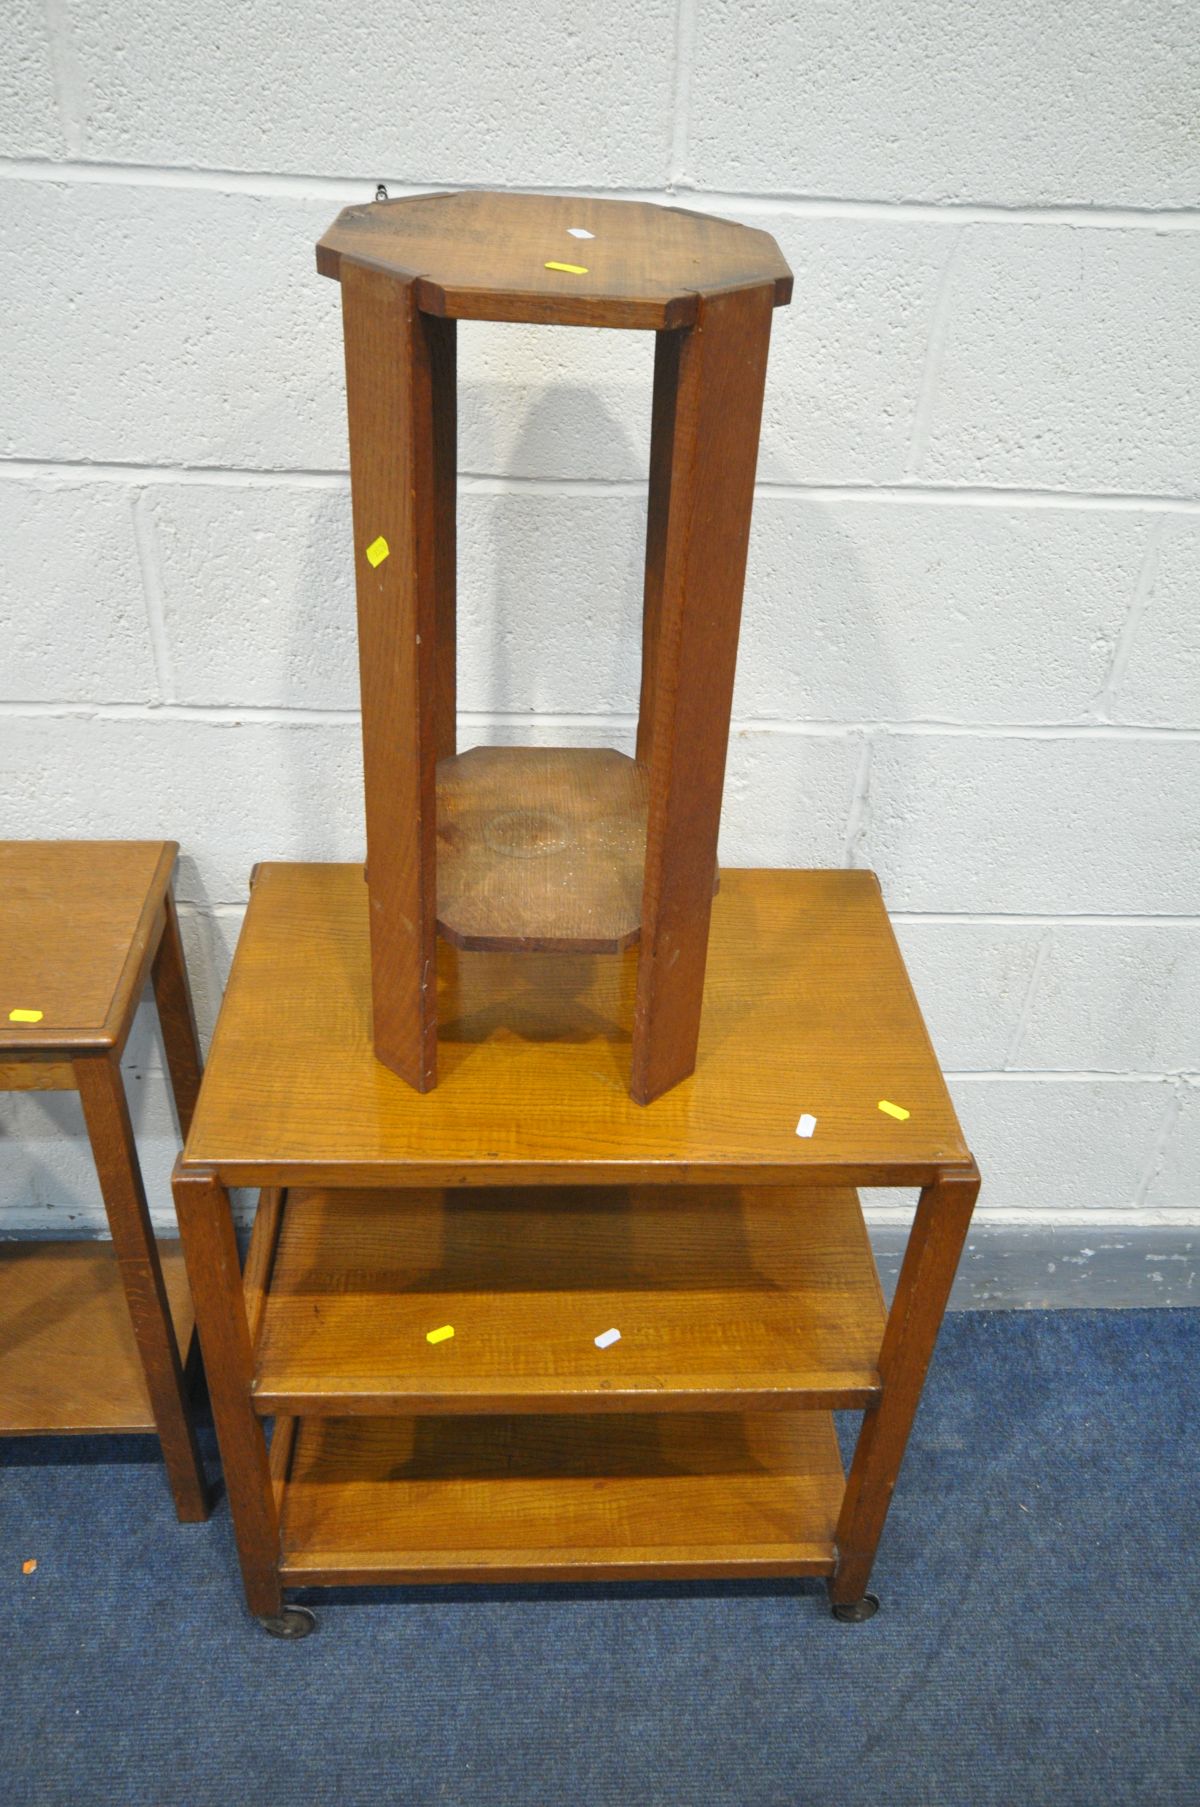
{"x":1037,"y":1643}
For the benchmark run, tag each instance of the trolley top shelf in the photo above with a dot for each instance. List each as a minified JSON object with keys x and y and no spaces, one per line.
{"x":807,"y":1009}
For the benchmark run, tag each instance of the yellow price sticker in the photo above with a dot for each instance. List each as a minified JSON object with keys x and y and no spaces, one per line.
{"x":25,"y":1016}
{"x":440,"y":1336}
{"x":569,"y":269}
{"x":377,"y":551}
{"x":894,"y":1110}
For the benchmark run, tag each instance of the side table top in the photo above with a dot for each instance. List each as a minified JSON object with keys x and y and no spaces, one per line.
{"x":807,"y":1011}
{"x":508,"y":256}
{"x":74,"y":920}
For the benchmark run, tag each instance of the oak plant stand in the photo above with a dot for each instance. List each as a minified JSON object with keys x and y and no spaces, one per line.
{"x":96,"y":1336}
{"x":531,"y":1206}
{"x":559,"y":850}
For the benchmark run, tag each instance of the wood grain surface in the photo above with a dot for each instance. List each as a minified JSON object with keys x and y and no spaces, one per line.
{"x":77,"y":928}
{"x":561,"y":1498}
{"x":22,"y":1074}
{"x":930,"y":1261}
{"x":110,"y":1131}
{"x":176,"y":1015}
{"x":484,"y":256}
{"x":215,"y":1277}
{"x":724,"y":1297}
{"x":68,"y":1358}
{"x":807,"y":1009}
{"x":399,"y":379}
{"x":705,"y":494}
{"x":540,"y":849}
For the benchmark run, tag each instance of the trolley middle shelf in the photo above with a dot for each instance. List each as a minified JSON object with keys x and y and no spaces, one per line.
{"x":726,"y":1298}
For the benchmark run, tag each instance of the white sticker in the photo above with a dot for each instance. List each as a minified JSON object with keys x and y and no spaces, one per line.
{"x":806,"y":1125}
{"x":607,"y":1338}
{"x":580,"y":232}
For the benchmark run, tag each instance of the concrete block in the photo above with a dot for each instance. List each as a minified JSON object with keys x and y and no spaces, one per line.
{"x":29,"y":121}
{"x":169,"y":326}
{"x":72,"y":613}
{"x":848,"y":355}
{"x":1161,"y":682}
{"x":231,"y":793}
{"x":1046,"y":1146}
{"x":1069,"y":362}
{"x":473,"y":93}
{"x":971,"y":979}
{"x":208,"y":339}
{"x":1014,"y":824}
{"x":1118,"y":998}
{"x":787,"y":798}
{"x":1176,"y":1183}
{"x":930,"y":100}
{"x":209,"y":938}
{"x":540,"y":731}
{"x":860,"y":611}
{"x":258,"y":594}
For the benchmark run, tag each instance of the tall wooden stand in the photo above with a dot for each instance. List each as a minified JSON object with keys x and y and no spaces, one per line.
{"x":564,"y":851}
{"x":433,"y":1283}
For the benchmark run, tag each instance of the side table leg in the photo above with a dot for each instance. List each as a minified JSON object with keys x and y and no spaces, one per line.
{"x":210,"y":1246}
{"x":173,"y":996}
{"x":106,"y":1113}
{"x":930,"y":1262}
{"x":708,"y":394}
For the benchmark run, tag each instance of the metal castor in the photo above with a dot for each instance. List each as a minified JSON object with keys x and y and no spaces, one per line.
{"x":853,"y":1612}
{"x":293,"y":1622}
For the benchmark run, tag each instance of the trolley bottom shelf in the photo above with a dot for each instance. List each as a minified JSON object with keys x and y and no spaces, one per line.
{"x":68,"y":1360}
{"x":543,"y":1498}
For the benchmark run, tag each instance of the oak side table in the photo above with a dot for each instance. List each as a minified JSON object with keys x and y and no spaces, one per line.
{"x":548,"y":849}
{"x":428,"y":1276}
{"x":96,"y":1336}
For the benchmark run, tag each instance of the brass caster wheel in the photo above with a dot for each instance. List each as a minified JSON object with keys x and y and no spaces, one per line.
{"x":854,"y":1612}
{"x":293,"y":1622}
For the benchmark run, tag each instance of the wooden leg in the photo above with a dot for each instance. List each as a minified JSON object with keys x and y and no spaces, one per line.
{"x":173,"y":996}
{"x":106,"y":1113}
{"x":399,"y":387}
{"x":930,"y":1262}
{"x":704,"y":447}
{"x":210,"y":1247}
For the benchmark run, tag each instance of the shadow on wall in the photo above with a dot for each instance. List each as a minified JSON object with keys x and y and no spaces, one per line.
{"x":553,"y":588}
{"x":814,"y":652}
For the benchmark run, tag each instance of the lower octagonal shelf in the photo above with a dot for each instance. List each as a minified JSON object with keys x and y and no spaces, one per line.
{"x":541,"y":849}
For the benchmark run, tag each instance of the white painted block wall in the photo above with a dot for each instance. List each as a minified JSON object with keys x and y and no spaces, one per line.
{"x":971,"y":655}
